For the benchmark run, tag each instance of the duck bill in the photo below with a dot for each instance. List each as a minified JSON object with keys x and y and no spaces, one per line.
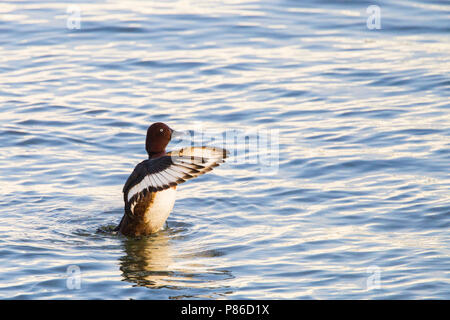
{"x":177,"y":134}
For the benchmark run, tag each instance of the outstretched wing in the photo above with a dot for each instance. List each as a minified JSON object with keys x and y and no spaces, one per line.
{"x":205,"y":157}
{"x":172,"y":169}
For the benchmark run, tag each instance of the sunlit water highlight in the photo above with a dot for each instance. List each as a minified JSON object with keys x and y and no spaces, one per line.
{"x":362,"y":188}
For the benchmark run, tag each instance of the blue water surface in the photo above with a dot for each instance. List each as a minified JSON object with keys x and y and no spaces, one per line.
{"x":357,"y":205}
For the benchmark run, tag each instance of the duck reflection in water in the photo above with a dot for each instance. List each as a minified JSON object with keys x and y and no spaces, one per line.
{"x":147,"y":260}
{"x":154,"y":261}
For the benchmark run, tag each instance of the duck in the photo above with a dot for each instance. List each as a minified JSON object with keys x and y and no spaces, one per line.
{"x":149,"y":193}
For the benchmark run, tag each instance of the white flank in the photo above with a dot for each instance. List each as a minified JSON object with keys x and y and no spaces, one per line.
{"x":160,"y":208}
